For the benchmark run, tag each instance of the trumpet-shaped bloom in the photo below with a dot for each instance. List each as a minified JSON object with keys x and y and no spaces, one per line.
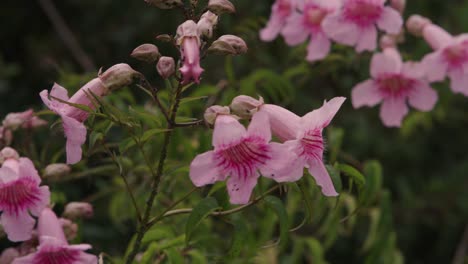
{"x":53,"y":247}
{"x":73,"y":117}
{"x":450,"y":58}
{"x":188,"y":38}
{"x":280,"y":11}
{"x":306,"y":22}
{"x":20,"y":197}
{"x":240,"y":154}
{"x":355,"y":23}
{"x":394,"y":82}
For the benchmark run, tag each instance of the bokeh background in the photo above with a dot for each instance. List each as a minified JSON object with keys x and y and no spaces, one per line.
{"x":425,"y":163}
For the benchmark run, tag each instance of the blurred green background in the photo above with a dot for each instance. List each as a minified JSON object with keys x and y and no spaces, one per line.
{"x":425,"y":163}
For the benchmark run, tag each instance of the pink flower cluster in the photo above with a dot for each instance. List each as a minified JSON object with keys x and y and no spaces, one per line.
{"x":241,"y":155}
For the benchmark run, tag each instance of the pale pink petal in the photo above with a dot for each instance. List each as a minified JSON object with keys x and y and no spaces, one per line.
{"x":59,"y":92}
{"x":459,"y":81}
{"x":436,"y":36}
{"x":18,"y":227}
{"x":339,"y":30}
{"x":44,"y":200}
{"x":272,"y":28}
{"x":8,"y":255}
{"x":240,"y":189}
{"x":367,"y":39}
{"x":86,"y":258}
{"x":49,"y":229}
{"x":75,"y":132}
{"x":413,"y":70}
{"x":390,"y":21}
{"x":284,"y":123}
{"x":81,"y":247}
{"x":318,"y":48}
{"x":284,"y":165}
{"x":294,"y":32}
{"x":7,"y":175}
{"x":25,"y":260}
{"x":434,"y":66}
{"x":393,"y":111}
{"x":320,"y":118}
{"x":204,"y":170}
{"x":322,"y":178}
{"x":259,"y":127}
{"x":27,"y":169}
{"x":227,"y":130}
{"x":423,"y":97}
{"x":366,"y":94}
{"x":389,"y":61}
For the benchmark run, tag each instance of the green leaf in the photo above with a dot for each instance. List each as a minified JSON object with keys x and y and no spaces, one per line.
{"x":94,"y":137}
{"x":278,"y":207}
{"x":373,"y":173}
{"x":306,"y":195}
{"x":190,"y":99}
{"x":152,"y":132}
{"x":238,"y":240}
{"x":149,"y":253}
{"x":357,"y":177}
{"x":316,"y":251}
{"x":174,"y":256}
{"x":200,"y":212}
{"x":334,"y":173}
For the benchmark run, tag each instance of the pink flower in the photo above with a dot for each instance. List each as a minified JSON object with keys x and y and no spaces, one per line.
{"x":450,"y":58}
{"x":188,"y":39}
{"x":280,"y":11}
{"x":306,"y":22}
{"x":240,"y":154}
{"x":73,"y":117}
{"x":53,"y":247}
{"x":394,"y":82}
{"x":355,"y":23}
{"x":20,"y":196}
{"x":25,"y":119}
{"x":75,"y":210}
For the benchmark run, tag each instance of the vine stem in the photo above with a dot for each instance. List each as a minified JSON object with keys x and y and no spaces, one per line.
{"x":156,"y":176}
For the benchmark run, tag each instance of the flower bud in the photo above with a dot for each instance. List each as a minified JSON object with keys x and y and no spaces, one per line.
{"x":213,"y":111}
{"x":398,"y":5}
{"x":69,"y":228}
{"x":166,"y":67}
{"x":118,"y":76}
{"x":245,"y":106}
{"x":6,"y":136}
{"x":146,"y":52}
{"x":9,"y":153}
{"x":206,"y":24}
{"x":165,"y":4}
{"x":164,"y":38}
{"x":56,"y":170}
{"x":15,"y":120}
{"x":228,"y":45}
{"x":75,"y":210}
{"x":221,"y":6}
{"x":416,"y":23}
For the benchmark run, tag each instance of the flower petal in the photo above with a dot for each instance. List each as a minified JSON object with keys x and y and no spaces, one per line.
{"x":322,"y":178}
{"x":434,"y":66}
{"x":240,"y":189}
{"x":367,"y":39}
{"x":459,"y":81}
{"x":284,"y":165}
{"x":284,"y":123}
{"x":423,"y":97}
{"x":227,"y":130}
{"x":85,"y":258}
{"x":390,"y":21}
{"x":44,"y":200}
{"x":25,"y":260}
{"x":59,"y":92}
{"x":27,"y":169}
{"x":339,"y":30}
{"x":75,"y":132}
{"x":318,"y":48}
{"x":18,"y":227}
{"x":389,"y":61}
{"x":294,"y":32}
{"x":7,"y":175}
{"x":259,"y":127}
{"x":273,"y":27}
{"x":436,"y":36}
{"x":365,"y":94}
{"x":203,"y":170}
{"x":320,"y":118}
{"x":393,"y":111}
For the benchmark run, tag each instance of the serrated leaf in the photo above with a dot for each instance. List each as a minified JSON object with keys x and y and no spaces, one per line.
{"x":278,"y":207}
{"x":200,"y":212}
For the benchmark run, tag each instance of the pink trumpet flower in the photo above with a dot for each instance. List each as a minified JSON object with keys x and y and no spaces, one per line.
{"x":355,"y":23}
{"x":188,"y":38}
{"x":240,"y":154}
{"x":280,"y":11}
{"x":25,"y":119}
{"x":20,"y":195}
{"x":306,"y":22}
{"x":53,"y":246}
{"x":393,"y":83}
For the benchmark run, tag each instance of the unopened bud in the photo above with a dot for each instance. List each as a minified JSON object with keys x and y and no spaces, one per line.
{"x":76,"y":210}
{"x":213,"y":111}
{"x":69,"y":228}
{"x":164,"y":38}
{"x":56,"y":170}
{"x":6,"y":136}
{"x":245,"y":106}
{"x":15,"y":120}
{"x":398,"y":5}
{"x":8,"y":153}
{"x":146,"y":52}
{"x":166,"y":67}
{"x":165,"y":4}
{"x":228,"y":44}
{"x":221,"y":6}
{"x":118,"y":76}
{"x":416,"y":23}
{"x":206,"y":24}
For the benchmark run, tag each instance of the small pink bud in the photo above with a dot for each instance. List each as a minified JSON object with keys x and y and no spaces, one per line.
{"x":118,"y":76}
{"x":228,"y":44}
{"x":15,"y":120}
{"x":398,"y":5}
{"x":221,"y":6}
{"x":6,"y":136}
{"x":69,"y":228}
{"x":56,"y":170}
{"x":206,"y":24}
{"x":165,"y":4}
{"x":9,"y":153}
{"x":146,"y":52}
{"x":416,"y":23}
{"x":166,"y":67}
{"x":164,"y":38}
{"x":75,"y":210}
{"x":213,"y":111}
{"x":245,"y":106}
